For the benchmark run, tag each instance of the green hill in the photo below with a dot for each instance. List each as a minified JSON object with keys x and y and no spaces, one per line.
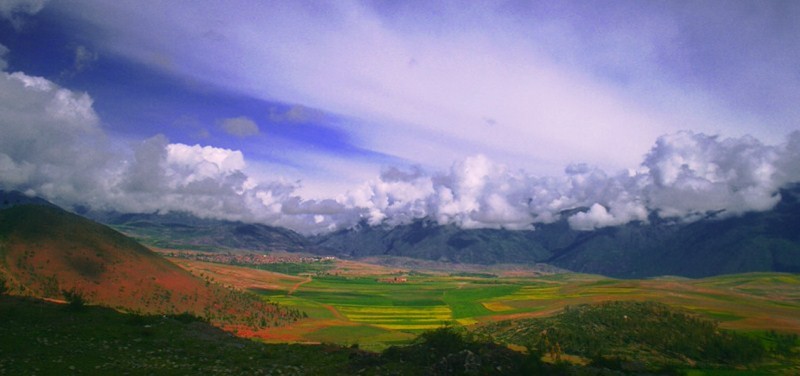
{"x":637,"y":336}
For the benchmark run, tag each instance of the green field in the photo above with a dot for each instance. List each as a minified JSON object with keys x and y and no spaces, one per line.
{"x":374,"y":314}
{"x":295,"y":268}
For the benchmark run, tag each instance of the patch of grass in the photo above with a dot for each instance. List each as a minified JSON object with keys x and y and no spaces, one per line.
{"x":720,"y":316}
{"x":295,"y":268}
{"x":314,"y":310}
{"x":466,"y":302}
{"x":348,"y":335}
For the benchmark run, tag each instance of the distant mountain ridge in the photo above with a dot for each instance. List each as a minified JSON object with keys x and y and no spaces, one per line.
{"x":13,"y":198}
{"x":757,"y":241}
{"x":183,"y":230}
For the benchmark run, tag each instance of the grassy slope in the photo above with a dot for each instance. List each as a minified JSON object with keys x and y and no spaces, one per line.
{"x":646,"y":333}
{"x":45,"y":250}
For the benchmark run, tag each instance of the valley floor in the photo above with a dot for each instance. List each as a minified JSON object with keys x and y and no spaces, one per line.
{"x":348,"y":305}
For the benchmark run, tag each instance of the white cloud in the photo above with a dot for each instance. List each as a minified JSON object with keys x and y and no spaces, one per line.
{"x":206,"y":161}
{"x":239,"y":126}
{"x":596,"y":217}
{"x":686,"y":176}
{"x":52,"y":145}
{"x":51,"y":140}
{"x":695,"y":173}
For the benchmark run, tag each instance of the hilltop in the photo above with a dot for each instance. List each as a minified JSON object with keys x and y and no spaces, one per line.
{"x":49,"y":253}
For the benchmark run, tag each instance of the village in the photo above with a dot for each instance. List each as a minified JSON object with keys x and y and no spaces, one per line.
{"x":249,"y":259}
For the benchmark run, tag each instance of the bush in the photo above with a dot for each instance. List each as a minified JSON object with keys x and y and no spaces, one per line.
{"x":186,"y":318}
{"x":3,"y":286}
{"x":75,"y":299}
{"x":442,"y":341}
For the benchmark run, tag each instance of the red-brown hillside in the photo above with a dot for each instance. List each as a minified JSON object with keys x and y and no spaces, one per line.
{"x":45,"y":250}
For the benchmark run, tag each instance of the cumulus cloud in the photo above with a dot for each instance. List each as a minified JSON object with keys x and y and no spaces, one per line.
{"x":598,"y":216}
{"x":684,"y":177}
{"x":49,"y":134}
{"x":204,"y":161}
{"x":692,"y":174}
{"x":52,"y":145}
{"x":240,"y":126}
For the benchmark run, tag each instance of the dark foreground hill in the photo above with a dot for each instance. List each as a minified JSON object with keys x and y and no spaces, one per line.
{"x":50,"y":339}
{"x":759,"y":241}
{"x":44,"y":338}
{"x":47,"y":252}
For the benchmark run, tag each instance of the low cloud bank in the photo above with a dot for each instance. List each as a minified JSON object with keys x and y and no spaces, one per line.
{"x":53,"y":145}
{"x":685,"y":176}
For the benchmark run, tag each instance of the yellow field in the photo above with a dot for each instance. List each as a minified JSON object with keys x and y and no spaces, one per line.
{"x":398,"y":318}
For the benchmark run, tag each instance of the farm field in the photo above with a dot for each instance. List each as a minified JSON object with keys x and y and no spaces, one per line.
{"x":390,"y":307}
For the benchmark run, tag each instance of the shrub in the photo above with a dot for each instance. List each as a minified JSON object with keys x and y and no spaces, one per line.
{"x":75,"y":299}
{"x":442,"y":341}
{"x":3,"y":286}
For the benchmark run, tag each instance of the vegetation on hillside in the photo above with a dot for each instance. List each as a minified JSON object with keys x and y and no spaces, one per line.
{"x":635,"y":336}
{"x":178,"y":230}
{"x":49,"y":253}
{"x":50,"y":339}
{"x":45,"y":338}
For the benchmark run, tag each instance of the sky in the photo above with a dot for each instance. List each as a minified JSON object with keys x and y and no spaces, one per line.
{"x":319,"y":115}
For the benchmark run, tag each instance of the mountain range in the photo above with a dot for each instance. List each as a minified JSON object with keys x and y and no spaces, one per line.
{"x":756,"y":241}
{"x":185,"y":231}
